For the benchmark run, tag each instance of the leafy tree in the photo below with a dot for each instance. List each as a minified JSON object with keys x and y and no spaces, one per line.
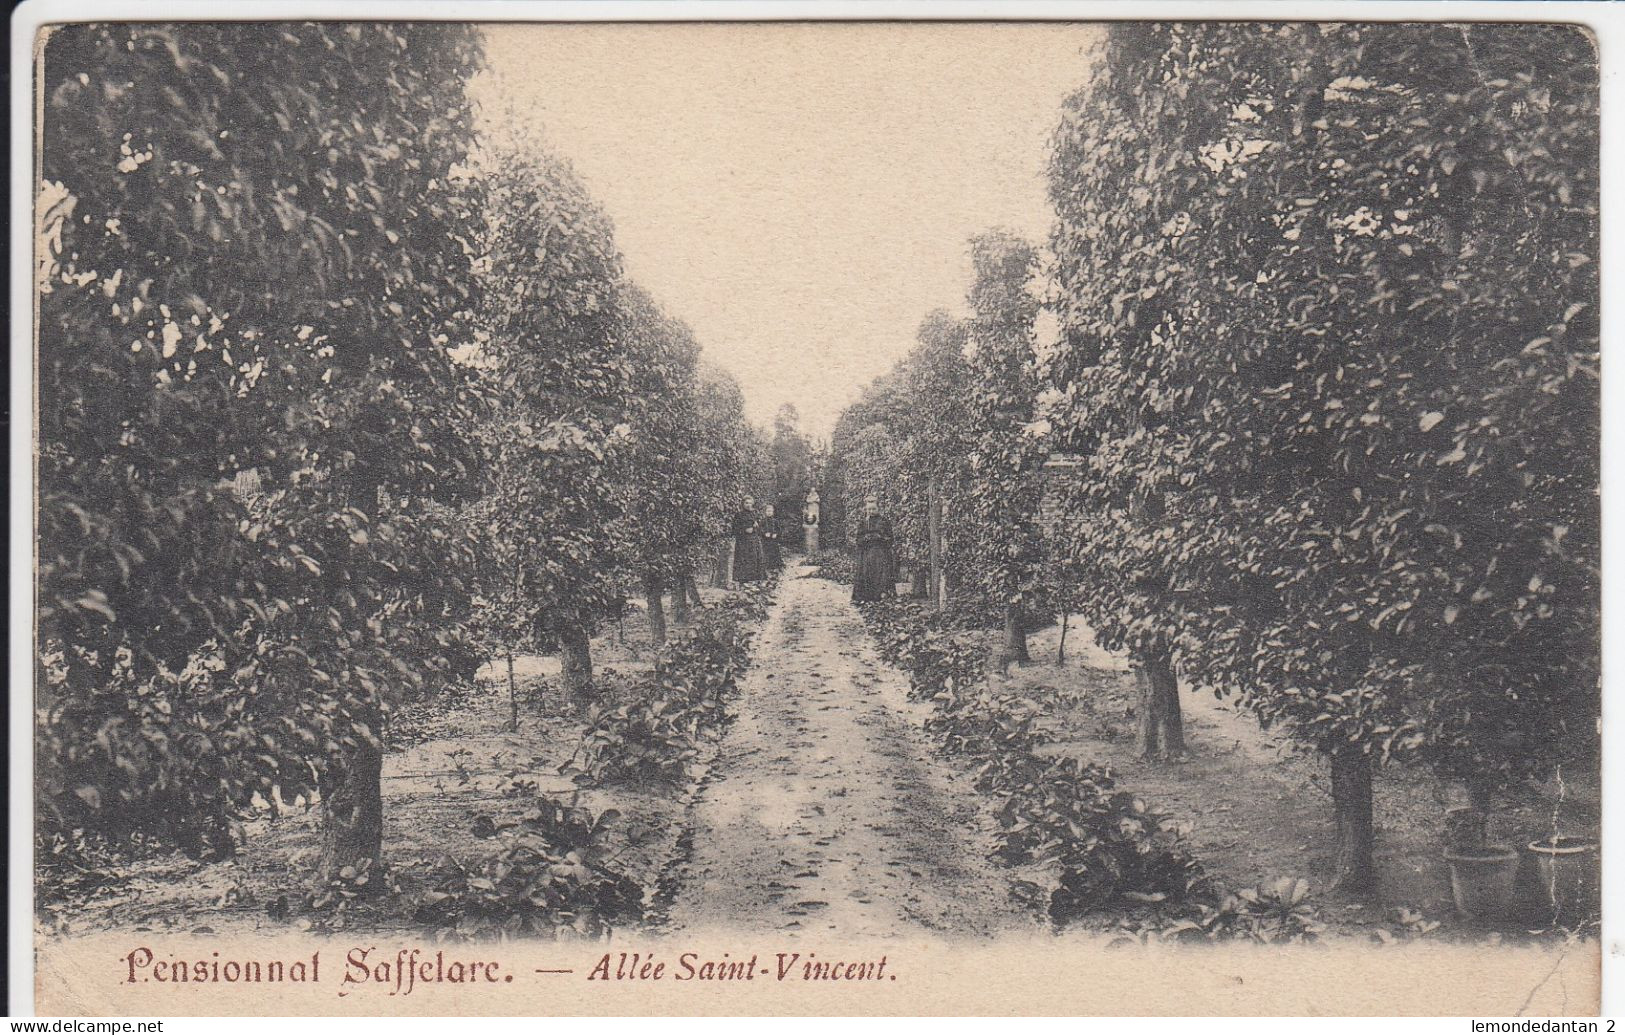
{"x":883,"y":402}
{"x":1329,"y":297}
{"x":792,"y":468}
{"x":866,"y":460}
{"x":920,"y":406}
{"x":937,"y":383}
{"x":560,"y":380}
{"x":724,"y":461}
{"x":248,"y":421}
{"x":872,"y":469}
{"x":668,"y":487}
{"x":1002,"y":484}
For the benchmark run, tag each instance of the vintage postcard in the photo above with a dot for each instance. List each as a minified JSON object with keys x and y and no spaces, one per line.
{"x":801,"y":516}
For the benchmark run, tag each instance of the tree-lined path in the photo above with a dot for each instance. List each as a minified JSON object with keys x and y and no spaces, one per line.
{"x":827,"y":809}
{"x":1270,"y":369}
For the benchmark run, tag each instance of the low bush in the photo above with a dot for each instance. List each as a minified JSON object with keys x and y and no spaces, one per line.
{"x":1104,"y":846}
{"x":641,"y":743}
{"x":653,"y":738}
{"x":1272,"y":914}
{"x":334,"y":902}
{"x":940,"y":655}
{"x":551,"y":875}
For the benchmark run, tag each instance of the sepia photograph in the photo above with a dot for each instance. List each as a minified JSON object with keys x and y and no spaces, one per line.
{"x":798,"y":516}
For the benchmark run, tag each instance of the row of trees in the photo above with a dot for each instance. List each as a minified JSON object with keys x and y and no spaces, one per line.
{"x":335,"y":398}
{"x":1327,"y":364}
{"x":950,"y":444}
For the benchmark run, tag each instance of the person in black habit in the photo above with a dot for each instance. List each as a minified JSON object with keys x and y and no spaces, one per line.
{"x":772,"y":556}
{"x":877,"y":564}
{"x":748,"y":561}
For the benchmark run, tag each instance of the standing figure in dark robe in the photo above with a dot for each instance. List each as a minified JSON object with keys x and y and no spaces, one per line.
{"x":772,"y":556}
{"x":748,"y":561}
{"x":877,"y":564}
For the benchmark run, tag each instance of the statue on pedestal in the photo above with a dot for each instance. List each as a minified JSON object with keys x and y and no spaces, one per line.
{"x":809,"y":523}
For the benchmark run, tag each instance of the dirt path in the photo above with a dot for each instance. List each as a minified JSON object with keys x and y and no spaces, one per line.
{"x":827,"y":809}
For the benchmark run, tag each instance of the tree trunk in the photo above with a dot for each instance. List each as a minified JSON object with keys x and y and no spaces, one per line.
{"x":353,"y":811}
{"x":351,"y":786}
{"x":693,"y":589}
{"x":920,"y":577}
{"x":1162,"y":726}
{"x":1060,"y":648}
{"x":1015,"y":636}
{"x":1165,"y":685}
{"x":575,"y":661}
{"x":679,"y":600}
{"x":939,"y":585}
{"x":1351,"y":802}
{"x":652,"y":594}
{"x":513,"y":696}
{"x":719,"y":578}
{"x":1149,"y":736}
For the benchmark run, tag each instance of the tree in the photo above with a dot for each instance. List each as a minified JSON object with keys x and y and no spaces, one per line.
{"x":668,"y":486}
{"x":883,"y":402}
{"x":871,"y":470}
{"x":248,"y":420}
{"x":724,"y":460}
{"x":1003,"y":483}
{"x":938,"y":385}
{"x":792,"y":467}
{"x":556,"y":435}
{"x":1329,"y":301}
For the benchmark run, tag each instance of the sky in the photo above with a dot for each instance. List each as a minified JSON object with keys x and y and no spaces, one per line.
{"x":800,"y":194}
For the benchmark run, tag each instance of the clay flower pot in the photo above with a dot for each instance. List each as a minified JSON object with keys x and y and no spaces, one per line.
{"x":1483,"y":879}
{"x":1564,"y":876}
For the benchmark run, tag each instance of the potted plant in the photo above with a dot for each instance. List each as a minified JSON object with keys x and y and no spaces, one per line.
{"x":1563,"y":873}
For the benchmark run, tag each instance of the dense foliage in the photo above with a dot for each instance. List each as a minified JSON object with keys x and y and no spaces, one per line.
{"x":556,"y":435}
{"x":1003,"y":484}
{"x":339,"y":394}
{"x":655,"y":738}
{"x":1324,"y":386}
{"x":665,"y":479}
{"x":248,"y":420}
{"x":1329,"y":303}
{"x":945,"y":441}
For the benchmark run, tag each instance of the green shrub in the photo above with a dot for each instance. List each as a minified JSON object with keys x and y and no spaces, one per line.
{"x":1106,"y":846}
{"x":551,"y":875}
{"x":1278,"y":912}
{"x":653,"y":738}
